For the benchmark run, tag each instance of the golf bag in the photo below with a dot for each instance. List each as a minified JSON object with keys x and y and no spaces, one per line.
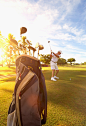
{"x":29,"y":102}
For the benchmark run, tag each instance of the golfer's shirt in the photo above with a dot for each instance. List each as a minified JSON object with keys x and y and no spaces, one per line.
{"x":54,"y":59}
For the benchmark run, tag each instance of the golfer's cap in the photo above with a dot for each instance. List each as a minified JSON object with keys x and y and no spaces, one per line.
{"x":48,"y":41}
{"x":60,"y":51}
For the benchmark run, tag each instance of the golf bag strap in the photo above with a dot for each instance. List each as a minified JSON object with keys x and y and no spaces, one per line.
{"x":18,"y":70}
{"x":21,"y":86}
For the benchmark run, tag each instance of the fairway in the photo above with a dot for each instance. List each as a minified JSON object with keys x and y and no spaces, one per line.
{"x":66,"y":98}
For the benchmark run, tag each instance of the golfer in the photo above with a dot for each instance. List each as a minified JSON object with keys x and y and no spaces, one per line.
{"x":53,"y":63}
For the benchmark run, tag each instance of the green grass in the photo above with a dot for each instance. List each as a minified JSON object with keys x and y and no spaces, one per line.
{"x":66,"y":99}
{"x":6,"y":91}
{"x":6,"y":71}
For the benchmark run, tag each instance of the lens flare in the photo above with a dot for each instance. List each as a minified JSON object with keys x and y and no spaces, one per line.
{"x":1,"y":54}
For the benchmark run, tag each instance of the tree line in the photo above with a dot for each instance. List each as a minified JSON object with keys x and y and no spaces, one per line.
{"x":45,"y":59}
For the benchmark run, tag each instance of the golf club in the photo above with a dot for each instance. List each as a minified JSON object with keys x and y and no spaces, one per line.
{"x":49,"y":45}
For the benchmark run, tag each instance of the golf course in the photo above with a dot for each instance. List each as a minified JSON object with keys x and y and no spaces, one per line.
{"x":66,"y":98}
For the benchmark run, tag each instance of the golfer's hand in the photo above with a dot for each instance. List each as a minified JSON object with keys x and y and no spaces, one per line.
{"x":51,"y":52}
{"x":60,"y":55}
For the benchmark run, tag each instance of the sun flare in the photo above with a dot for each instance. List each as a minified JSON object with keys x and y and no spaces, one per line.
{"x":1,"y":54}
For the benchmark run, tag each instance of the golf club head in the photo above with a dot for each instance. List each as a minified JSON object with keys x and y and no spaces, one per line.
{"x":13,"y":42}
{"x":23,"y":30}
{"x":41,"y":47}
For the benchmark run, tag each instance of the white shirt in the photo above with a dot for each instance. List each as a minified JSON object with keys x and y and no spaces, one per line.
{"x":54,"y":58}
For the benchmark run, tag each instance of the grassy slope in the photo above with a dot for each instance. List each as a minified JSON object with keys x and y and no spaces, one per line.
{"x":6,"y":91}
{"x":66,"y":99}
{"x":4,"y":71}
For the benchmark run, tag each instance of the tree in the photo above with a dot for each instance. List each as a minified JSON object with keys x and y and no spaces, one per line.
{"x":0,"y":32}
{"x":61,"y":61}
{"x":71,"y":60}
{"x":84,"y":63}
{"x":10,"y":36}
{"x":45,"y":58}
{"x":10,"y":48}
{"x":8,"y":45}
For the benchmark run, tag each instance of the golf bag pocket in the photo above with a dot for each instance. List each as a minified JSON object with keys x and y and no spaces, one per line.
{"x":12,"y":119}
{"x":27,"y":95}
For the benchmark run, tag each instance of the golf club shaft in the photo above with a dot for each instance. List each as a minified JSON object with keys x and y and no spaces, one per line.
{"x":49,"y":45}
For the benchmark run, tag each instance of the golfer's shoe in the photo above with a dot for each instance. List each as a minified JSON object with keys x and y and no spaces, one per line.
{"x":56,"y":77}
{"x":52,"y":78}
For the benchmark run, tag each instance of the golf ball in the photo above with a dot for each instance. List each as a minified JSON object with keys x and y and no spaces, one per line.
{"x":70,"y":78}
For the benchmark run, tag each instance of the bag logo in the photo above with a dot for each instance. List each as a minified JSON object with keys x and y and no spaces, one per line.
{"x":30,"y":68}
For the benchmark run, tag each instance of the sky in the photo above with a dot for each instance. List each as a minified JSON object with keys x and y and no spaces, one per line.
{"x":62,"y":22}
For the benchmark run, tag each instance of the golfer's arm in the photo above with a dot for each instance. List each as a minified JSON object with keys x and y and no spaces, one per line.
{"x":55,"y":55}
{"x":50,"y":55}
